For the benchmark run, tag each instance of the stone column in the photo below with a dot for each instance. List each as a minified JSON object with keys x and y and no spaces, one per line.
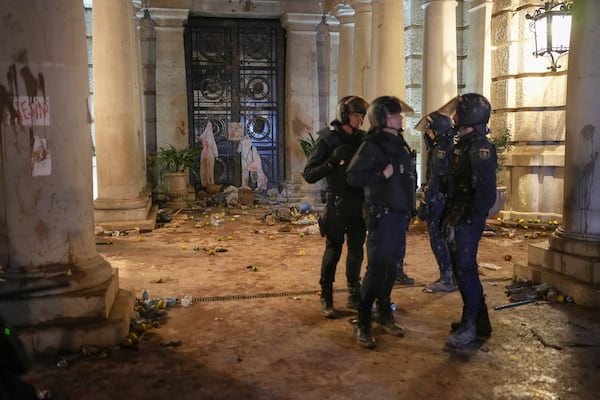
{"x":570,"y":262}
{"x":388,"y":67}
{"x":439,"y":59}
{"x":48,"y":251}
{"x":478,"y":68}
{"x":362,"y":48}
{"x":439,"y":54}
{"x":122,"y":194}
{"x":345,"y":14}
{"x":301,"y":93}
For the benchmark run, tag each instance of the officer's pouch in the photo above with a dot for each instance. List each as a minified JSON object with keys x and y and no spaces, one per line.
{"x":323,"y":225}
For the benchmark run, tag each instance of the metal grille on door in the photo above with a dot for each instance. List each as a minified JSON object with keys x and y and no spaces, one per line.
{"x":235,"y":72}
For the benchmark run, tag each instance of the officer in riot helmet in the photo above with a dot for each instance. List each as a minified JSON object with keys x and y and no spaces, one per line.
{"x":471,"y":194}
{"x":438,"y":134}
{"x":385,"y":167}
{"x":343,"y":218}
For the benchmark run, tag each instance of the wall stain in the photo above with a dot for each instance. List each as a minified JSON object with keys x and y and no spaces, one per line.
{"x":42,"y":230}
{"x":581,"y":193}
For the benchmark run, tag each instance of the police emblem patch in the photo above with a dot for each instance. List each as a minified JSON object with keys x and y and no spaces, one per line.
{"x":441,"y":154}
{"x":484,"y":154}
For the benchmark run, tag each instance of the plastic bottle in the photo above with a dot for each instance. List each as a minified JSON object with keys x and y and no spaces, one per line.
{"x":145,"y":294}
{"x":393,"y":306}
{"x":171,"y":301}
{"x":186,"y":301}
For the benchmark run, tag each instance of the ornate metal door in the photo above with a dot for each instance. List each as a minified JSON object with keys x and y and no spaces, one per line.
{"x":235,"y":71}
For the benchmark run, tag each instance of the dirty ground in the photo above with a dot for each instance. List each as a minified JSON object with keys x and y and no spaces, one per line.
{"x":253,"y":330}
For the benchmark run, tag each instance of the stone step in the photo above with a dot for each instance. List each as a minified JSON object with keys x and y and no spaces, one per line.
{"x":586,"y":269}
{"x":70,"y":334}
{"x":92,"y":303}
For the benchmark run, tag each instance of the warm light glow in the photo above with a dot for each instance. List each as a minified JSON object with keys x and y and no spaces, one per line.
{"x":551,"y":26}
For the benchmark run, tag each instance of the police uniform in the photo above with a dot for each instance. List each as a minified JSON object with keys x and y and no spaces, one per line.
{"x":438,"y":172}
{"x":343,"y":214}
{"x":389,"y":205}
{"x":472,"y":193}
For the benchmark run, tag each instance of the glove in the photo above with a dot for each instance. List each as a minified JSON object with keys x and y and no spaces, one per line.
{"x":341,"y":155}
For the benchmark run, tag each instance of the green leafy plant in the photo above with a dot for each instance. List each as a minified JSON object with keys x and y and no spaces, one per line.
{"x":175,"y":160}
{"x":307,"y":145}
{"x":503,"y":144}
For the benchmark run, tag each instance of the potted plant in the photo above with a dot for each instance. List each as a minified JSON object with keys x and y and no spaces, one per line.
{"x":318,"y":194}
{"x":174,"y":164}
{"x":502,"y":142}
{"x":307,"y":145}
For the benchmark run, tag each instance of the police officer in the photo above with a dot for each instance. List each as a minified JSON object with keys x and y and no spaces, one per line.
{"x":385,"y":167}
{"x":472,"y":193}
{"x":439,"y":138}
{"x":343,"y":214}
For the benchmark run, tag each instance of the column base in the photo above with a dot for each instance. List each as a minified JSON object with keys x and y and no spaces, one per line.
{"x":123,"y":215}
{"x":575,"y":275}
{"x":98,"y":316}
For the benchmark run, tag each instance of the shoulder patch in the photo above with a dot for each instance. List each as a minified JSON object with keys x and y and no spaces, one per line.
{"x":441,"y":154}
{"x":484,"y":153}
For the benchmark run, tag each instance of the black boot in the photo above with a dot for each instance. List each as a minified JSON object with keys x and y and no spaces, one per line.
{"x":327,"y":309}
{"x":465,"y":334}
{"x":401,"y":276}
{"x":386,"y":320}
{"x":363,"y":335}
{"x":482,"y":323}
{"x":353,"y":295}
{"x":444,"y":284}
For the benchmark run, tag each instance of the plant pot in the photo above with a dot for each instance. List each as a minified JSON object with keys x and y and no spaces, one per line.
{"x":176,"y":188}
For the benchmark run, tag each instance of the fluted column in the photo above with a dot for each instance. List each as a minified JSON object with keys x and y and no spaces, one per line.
{"x":388,"y":66}
{"x":570,"y":263}
{"x":120,"y":152}
{"x":478,"y":69}
{"x":362,"y":47}
{"x":48,"y":249}
{"x":301,"y":94}
{"x":345,"y":15}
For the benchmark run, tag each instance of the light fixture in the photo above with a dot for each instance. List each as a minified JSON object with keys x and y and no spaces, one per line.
{"x":551,"y":27}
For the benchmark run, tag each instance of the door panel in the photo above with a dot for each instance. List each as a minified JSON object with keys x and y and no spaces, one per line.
{"x":235,"y":72}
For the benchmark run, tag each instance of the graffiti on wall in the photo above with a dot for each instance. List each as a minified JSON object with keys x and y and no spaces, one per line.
{"x":29,"y":108}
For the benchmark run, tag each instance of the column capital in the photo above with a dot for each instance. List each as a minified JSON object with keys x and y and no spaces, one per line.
{"x":169,"y":18}
{"x":361,"y":6}
{"x":441,"y":2}
{"x":300,"y":21}
{"x":344,"y":13}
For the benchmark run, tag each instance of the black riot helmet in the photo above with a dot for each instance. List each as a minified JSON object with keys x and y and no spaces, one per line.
{"x":473,"y":109}
{"x":441,"y":124}
{"x":348,"y":105}
{"x":382,"y":106}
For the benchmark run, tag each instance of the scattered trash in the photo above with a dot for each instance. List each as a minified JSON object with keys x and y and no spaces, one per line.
{"x":515,"y":304}
{"x":490,"y":266}
{"x":186,"y":301}
{"x":172,"y":343}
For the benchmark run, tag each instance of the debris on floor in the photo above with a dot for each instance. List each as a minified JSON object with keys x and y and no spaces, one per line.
{"x":522,"y":290}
